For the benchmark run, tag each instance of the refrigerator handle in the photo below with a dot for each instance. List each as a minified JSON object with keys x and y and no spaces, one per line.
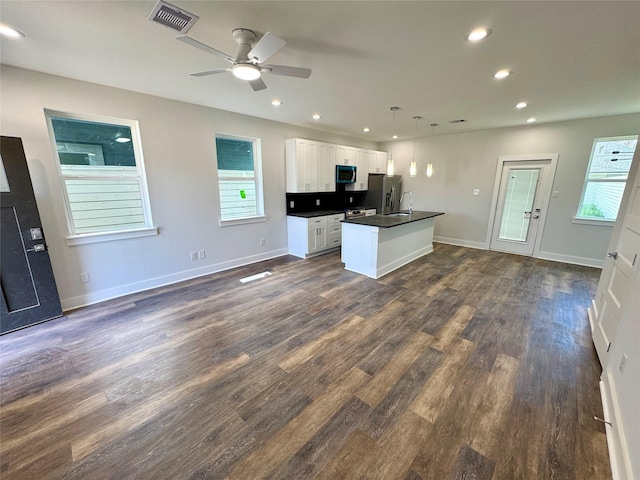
{"x":393,"y":193}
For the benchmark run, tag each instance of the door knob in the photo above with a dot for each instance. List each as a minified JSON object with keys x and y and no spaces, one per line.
{"x":613,"y":255}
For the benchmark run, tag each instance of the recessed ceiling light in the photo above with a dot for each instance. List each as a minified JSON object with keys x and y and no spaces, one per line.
{"x":531,"y":120}
{"x":316,"y":116}
{"x":394,"y":136}
{"x":478,"y":34}
{"x":10,"y":32}
{"x":521,"y":105}
{"x":276,"y":103}
{"x":500,"y":74}
{"x":366,"y":130}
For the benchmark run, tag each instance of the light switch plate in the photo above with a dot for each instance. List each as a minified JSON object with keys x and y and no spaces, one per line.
{"x":476,"y":191}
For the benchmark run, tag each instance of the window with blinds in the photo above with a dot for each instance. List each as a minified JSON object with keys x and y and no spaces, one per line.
{"x":606,"y":178}
{"x":101,"y":172}
{"x":239,"y":178}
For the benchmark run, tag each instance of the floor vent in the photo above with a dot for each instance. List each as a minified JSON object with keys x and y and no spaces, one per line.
{"x":172,"y":17}
{"x":257,"y":276}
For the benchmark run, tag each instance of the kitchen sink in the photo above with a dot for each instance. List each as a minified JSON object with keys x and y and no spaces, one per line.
{"x":398,"y":214}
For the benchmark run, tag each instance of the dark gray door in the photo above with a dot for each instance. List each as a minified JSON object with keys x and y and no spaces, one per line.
{"x":28,"y":289}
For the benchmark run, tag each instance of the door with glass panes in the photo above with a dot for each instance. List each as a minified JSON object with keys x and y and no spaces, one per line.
{"x":519,"y":209}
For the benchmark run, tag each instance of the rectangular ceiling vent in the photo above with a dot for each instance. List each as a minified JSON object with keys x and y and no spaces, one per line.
{"x":172,"y":17}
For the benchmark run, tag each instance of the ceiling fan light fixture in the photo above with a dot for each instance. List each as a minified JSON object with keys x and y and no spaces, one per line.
{"x":7,"y":31}
{"x":246,"y":71}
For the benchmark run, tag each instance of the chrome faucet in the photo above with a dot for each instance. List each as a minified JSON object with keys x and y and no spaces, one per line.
{"x":410,"y":200}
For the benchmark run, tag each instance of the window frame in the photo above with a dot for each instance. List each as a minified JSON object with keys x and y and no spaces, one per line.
{"x":257,"y":179}
{"x":595,"y":220}
{"x":75,"y":238}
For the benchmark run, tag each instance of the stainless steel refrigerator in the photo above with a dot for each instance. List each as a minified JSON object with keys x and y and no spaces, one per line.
{"x":384,"y":193}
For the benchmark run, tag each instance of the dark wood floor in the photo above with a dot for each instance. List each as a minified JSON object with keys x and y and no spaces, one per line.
{"x":463,"y":364}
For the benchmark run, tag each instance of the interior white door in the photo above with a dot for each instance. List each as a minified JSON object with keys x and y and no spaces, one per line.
{"x":519,"y":208}
{"x":620,"y":270}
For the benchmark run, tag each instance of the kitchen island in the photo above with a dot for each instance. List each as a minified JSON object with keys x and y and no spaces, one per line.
{"x":379,"y":244}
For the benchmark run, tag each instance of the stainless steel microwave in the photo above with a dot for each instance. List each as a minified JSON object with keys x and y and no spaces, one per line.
{"x":345,"y":174}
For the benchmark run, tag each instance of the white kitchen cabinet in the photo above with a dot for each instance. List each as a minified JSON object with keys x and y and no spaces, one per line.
{"x":313,"y":236}
{"x":377,"y":162}
{"x":345,"y":155}
{"x":326,"y":167}
{"x":310,"y":166}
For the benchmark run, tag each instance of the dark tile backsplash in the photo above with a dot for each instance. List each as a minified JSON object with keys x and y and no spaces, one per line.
{"x":312,"y":202}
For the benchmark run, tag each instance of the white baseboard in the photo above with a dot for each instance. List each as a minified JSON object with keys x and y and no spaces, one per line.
{"x":557,"y":257}
{"x":460,"y":243}
{"x":618,"y":453}
{"x":122,"y":290}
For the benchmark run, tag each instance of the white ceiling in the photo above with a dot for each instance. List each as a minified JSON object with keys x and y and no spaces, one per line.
{"x":570,"y":60}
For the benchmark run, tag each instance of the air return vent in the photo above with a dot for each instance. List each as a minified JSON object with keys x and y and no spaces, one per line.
{"x":172,"y":17}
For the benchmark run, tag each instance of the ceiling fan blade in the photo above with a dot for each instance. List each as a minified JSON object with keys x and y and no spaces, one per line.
{"x":267,"y":46}
{"x":210,"y":72}
{"x":288,"y":71}
{"x":205,"y":48}
{"x":257,"y":84}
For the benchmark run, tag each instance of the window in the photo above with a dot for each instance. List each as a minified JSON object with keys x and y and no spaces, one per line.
{"x":239,"y":179}
{"x":606,"y":178}
{"x":102,"y":176}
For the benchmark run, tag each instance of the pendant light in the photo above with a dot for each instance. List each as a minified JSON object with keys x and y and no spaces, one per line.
{"x":390,"y":165}
{"x":413,"y":168}
{"x":430,"y":165}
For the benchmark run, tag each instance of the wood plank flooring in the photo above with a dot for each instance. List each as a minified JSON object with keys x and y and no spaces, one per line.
{"x":462,"y":364}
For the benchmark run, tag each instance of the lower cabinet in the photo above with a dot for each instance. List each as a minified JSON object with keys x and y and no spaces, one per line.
{"x":313,"y":236}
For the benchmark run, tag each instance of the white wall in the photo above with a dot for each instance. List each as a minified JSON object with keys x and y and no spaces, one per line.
{"x":179,"y":144}
{"x":466,"y":161}
{"x":178,"y":141}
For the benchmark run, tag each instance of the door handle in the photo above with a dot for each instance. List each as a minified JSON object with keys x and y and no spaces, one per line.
{"x":39,"y":247}
{"x":613,"y":255}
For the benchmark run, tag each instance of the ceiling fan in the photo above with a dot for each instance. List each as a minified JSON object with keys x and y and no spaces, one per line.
{"x":248,"y":63}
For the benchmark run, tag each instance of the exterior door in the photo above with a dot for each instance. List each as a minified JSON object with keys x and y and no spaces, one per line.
{"x":28,"y":292}
{"x":620,"y":271}
{"x":520,"y":206}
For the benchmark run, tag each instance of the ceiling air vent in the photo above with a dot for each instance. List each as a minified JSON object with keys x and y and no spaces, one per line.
{"x":172,"y":17}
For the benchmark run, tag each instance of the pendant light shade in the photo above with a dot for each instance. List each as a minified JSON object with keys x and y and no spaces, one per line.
{"x":413,"y":168}
{"x":430,"y":165}
{"x":390,"y":165}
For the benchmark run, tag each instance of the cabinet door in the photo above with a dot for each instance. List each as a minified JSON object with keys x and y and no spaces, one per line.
{"x":301,"y":166}
{"x":378,"y":162}
{"x":326,"y":167}
{"x":345,"y":155}
{"x":317,"y":239}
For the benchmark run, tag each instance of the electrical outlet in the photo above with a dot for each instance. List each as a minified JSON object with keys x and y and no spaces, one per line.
{"x":555,"y":194}
{"x":262,"y":242}
{"x":291,"y":204}
{"x":623,"y":363}
{"x":194,"y":255}
{"x":201,"y":254}
{"x":476,"y":191}
{"x":317,"y":202}
{"x":84,"y":277}
{"x":350,"y":199}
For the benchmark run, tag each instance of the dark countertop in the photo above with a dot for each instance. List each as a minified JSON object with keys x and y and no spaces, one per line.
{"x":388,"y":220}
{"x":319,"y":213}
{"x":322,"y":213}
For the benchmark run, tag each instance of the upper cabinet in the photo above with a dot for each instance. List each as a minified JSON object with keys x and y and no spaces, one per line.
{"x":362,"y":171}
{"x":377,"y":162}
{"x":345,"y":155}
{"x":311,"y":165}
